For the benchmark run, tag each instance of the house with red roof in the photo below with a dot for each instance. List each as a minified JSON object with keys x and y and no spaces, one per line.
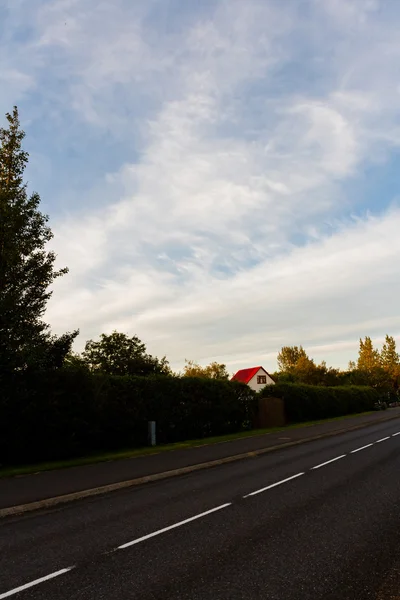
{"x":255,"y":377}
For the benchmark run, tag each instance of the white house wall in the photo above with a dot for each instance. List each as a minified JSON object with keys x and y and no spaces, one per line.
{"x":259,"y":386}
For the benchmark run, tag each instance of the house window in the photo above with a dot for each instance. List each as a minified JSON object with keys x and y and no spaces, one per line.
{"x":262,"y":379}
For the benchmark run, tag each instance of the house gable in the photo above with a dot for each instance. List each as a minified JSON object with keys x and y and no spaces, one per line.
{"x":252,"y":376}
{"x":260,"y":380}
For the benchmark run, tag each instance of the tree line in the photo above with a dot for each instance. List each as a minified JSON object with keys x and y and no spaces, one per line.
{"x":379,"y":369}
{"x":119,"y":354}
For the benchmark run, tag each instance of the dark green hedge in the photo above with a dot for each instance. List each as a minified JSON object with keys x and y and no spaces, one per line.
{"x":309,"y":402}
{"x":68,"y":413}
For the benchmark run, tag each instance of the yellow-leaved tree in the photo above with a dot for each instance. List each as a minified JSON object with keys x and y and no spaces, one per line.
{"x":212,"y":371}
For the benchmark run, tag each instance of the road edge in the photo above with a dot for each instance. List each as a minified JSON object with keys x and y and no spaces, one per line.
{"x":112,"y":487}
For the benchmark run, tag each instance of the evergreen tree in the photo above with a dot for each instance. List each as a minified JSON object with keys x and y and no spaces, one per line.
{"x":26,"y":266}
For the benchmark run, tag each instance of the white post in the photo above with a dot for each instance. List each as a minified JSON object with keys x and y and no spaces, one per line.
{"x":152,"y":433}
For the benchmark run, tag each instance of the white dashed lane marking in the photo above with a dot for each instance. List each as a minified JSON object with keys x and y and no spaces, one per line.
{"x":264,"y":489}
{"x":33,"y":583}
{"x":150,"y":535}
{"x":362,"y":448}
{"x":328,"y":462}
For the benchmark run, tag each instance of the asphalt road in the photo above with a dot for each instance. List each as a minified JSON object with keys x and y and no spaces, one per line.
{"x":315,"y":531}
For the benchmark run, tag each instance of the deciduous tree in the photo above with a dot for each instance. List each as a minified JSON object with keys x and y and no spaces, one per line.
{"x":389,"y":355}
{"x":369,"y":366}
{"x":289,"y":356}
{"x":212,"y":371}
{"x":118,"y":354}
{"x":306,"y":371}
{"x":390,"y":360}
{"x":368,"y":356}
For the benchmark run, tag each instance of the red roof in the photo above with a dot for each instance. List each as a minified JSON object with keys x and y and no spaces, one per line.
{"x":245,"y":375}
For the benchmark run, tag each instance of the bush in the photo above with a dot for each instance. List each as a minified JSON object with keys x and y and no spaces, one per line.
{"x":71,"y":412}
{"x":309,"y":402}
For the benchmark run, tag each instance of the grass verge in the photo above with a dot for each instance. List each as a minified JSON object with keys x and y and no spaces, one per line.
{"x":146,"y":451}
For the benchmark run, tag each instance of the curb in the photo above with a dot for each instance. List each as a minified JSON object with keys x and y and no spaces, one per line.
{"x":104,"y":489}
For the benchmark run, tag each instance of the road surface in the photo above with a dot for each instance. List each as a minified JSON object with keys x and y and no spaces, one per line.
{"x":317,"y":521}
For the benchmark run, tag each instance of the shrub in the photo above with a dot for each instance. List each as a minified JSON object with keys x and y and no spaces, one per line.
{"x":309,"y":402}
{"x":72,"y":412}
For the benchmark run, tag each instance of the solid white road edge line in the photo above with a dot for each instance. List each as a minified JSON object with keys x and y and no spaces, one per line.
{"x":394,"y":434}
{"x":328,"y":462}
{"x":273,"y":485}
{"x":36,"y":582}
{"x":382,"y":440}
{"x":362,"y":448}
{"x":150,"y":535}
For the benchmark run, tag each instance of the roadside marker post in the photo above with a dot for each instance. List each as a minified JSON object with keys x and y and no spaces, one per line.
{"x":152,"y":433}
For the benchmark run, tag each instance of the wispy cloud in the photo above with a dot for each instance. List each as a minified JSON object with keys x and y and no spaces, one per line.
{"x":207,"y":169}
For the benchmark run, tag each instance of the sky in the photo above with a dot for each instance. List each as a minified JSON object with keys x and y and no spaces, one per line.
{"x":221,"y":176}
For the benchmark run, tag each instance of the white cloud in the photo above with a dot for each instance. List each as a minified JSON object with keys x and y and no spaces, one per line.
{"x":226,"y":232}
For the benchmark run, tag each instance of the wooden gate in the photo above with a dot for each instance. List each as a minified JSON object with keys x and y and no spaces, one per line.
{"x":271,"y":413}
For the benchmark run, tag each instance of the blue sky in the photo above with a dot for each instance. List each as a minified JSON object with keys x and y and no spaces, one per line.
{"x":221,"y":176}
